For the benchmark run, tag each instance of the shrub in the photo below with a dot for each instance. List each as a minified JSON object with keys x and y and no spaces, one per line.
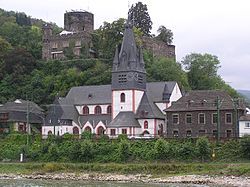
{"x":161,"y":149}
{"x":123,"y":151}
{"x":203,"y":148}
{"x":245,"y":147}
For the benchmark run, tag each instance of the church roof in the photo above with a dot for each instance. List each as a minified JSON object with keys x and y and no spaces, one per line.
{"x":124,"y":119}
{"x":94,"y":119}
{"x":147,"y":109}
{"x":99,"y":94}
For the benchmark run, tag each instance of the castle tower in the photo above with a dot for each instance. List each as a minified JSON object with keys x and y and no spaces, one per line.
{"x":47,"y":34}
{"x":128,"y":75}
{"x":79,"y":21}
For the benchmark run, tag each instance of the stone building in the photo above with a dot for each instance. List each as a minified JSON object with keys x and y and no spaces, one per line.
{"x":76,"y":36}
{"x":78,"y":26}
{"x":196,"y":114}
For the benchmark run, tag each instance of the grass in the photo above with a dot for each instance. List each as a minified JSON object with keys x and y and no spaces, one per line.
{"x":156,"y":169}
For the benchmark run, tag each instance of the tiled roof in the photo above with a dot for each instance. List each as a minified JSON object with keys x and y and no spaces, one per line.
{"x":95,"y":119}
{"x":204,"y":100}
{"x":245,"y":118}
{"x":124,"y":119}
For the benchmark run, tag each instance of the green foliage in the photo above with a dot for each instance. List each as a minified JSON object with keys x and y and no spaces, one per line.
{"x":186,"y":151}
{"x":203,"y":148}
{"x":245,"y":147}
{"x":139,"y":15}
{"x":162,"y":149}
{"x":123,"y":151}
{"x":166,"y":69}
{"x":86,"y":151}
{"x":165,"y":35}
{"x":228,"y":151}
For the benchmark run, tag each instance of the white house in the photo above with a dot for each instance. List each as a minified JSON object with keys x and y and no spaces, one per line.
{"x":244,"y":125}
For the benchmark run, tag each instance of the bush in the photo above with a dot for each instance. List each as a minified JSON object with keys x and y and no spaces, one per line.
{"x":245,"y":147}
{"x":162,"y":149}
{"x":203,"y":148}
{"x":186,"y":151}
{"x":123,"y":151}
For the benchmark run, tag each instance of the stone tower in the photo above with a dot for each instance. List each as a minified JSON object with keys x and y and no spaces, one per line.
{"x":47,"y":34}
{"x":79,"y":21}
{"x":128,"y":74}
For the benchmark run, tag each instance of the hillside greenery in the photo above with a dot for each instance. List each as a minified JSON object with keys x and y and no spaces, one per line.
{"x":23,"y":74}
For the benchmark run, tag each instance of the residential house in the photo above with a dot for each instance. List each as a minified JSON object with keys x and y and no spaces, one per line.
{"x":244,"y":125}
{"x":210,"y":113}
{"x":14,"y":116}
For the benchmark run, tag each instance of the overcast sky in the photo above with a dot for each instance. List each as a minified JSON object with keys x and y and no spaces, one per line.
{"x":218,"y":27}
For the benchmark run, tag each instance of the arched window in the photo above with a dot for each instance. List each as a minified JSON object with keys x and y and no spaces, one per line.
{"x":75,"y":130}
{"x":145,"y":124}
{"x":109,"y":109}
{"x":88,"y":129}
{"x":122,"y":97}
{"x":98,"y":110}
{"x":85,"y":110}
{"x":100,"y":130}
{"x":49,"y":132}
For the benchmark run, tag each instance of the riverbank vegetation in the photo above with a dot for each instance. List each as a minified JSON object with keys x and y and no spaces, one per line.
{"x":88,"y":149}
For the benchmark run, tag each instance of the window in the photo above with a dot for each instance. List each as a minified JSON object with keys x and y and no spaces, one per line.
{"x":176,"y":133}
{"x":214,"y":118}
{"x":145,"y":124}
{"x":229,"y":133}
{"x":85,"y":110}
{"x":201,"y":119}
{"x":215,"y":134}
{"x":124,"y":131}
{"x":247,"y":125}
{"x":98,"y":110}
{"x":112,"y":132}
{"x":122,"y":97}
{"x":109,"y":109}
{"x":202,"y":132}
{"x":175,"y":118}
{"x":228,"y":117}
{"x":189,"y":133}
{"x":189,"y":118}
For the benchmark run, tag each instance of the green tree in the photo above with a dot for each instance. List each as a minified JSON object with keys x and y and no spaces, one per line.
{"x":166,"y":69}
{"x":202,"y":73}
{"x":165,"y":35}
{"x":5,"y":47}
{"x":140,"y":18}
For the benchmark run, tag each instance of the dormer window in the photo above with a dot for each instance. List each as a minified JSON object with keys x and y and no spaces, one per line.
{"x":98,"y":110}
{"x":90,"y":96}
{"x":85,"y":110}
{"x":122,"y":98}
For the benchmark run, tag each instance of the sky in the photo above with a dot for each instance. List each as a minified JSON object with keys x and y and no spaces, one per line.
{"x":217,"y":27}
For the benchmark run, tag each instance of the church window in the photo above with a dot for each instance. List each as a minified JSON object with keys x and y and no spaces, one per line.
{"x":85,"y":110}
{"x":109,"y":109}
{"x":112,"y":132}
{"x":145,"y":124}
{"x":98,"y":110}
{"x":124,"y":131}
{"x":122,"y":97}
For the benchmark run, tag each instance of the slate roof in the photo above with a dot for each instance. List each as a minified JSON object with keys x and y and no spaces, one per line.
{"x":156,"y":89}
{"x":95,"y":119}
{"x":124,"y":119}
{"x":203,"y":100}
{"x":147,"y":109}
{"x":99,"y":94}
{"x":17,"y":111}
{"x":245,"y":118}
{"x":21,"y":106}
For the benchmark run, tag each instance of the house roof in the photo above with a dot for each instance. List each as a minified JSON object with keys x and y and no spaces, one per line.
{"x":147,"y":109}
{"x":124,"y":119}
{"x":21,"y":106}
{"x":245,"y":118}
{"x":204,"y":100}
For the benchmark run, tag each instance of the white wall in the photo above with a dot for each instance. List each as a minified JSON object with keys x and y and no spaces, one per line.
{"x":92,"y":108}
{"x":138,"y":97}
{"x":176,"y":94}
{"x":243,"y":130}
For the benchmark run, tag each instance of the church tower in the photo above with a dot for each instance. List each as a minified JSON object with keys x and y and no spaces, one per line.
{"x":128,"y":74}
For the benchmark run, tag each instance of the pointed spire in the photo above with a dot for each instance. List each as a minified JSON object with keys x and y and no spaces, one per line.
{"x":166,"y":94}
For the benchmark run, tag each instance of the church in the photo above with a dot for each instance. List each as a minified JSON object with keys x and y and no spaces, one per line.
{"x":128,"y":106}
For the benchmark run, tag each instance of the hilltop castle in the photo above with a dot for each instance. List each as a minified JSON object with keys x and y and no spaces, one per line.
{"x":78,"y":26}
